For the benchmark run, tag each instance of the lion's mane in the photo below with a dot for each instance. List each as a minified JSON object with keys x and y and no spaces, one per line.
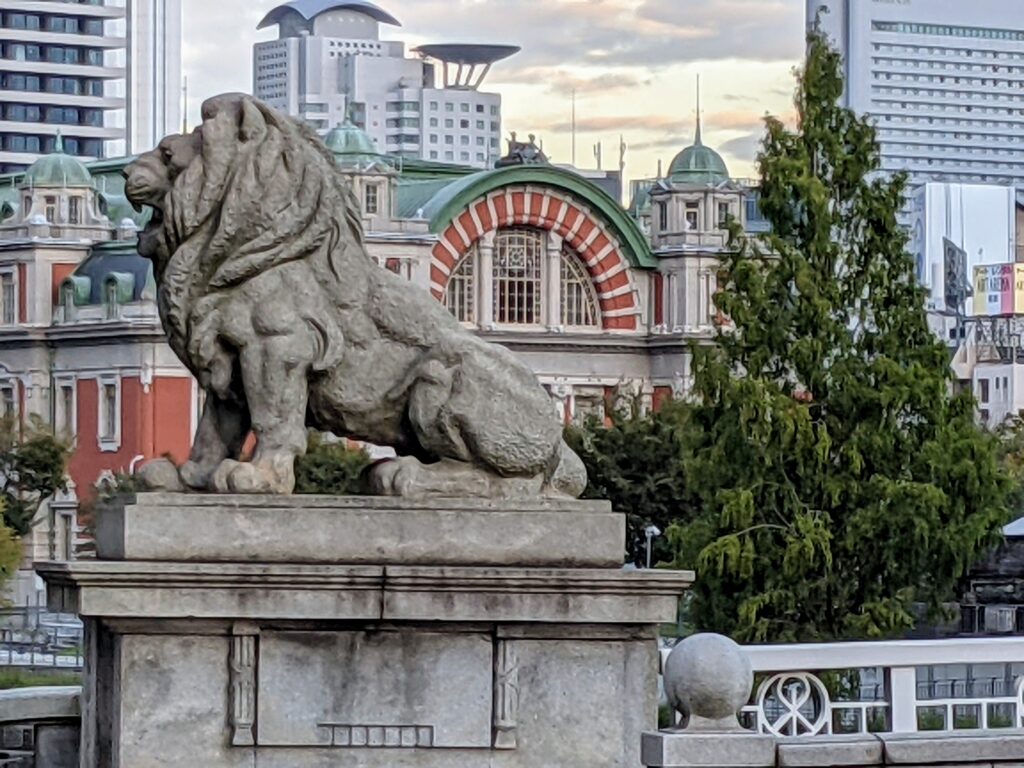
{"x":263,"y":191}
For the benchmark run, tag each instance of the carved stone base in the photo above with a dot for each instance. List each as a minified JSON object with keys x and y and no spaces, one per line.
{"x":371,"y":665}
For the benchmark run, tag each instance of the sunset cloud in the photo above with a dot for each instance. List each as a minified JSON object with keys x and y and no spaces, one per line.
{"x":632,"y":63}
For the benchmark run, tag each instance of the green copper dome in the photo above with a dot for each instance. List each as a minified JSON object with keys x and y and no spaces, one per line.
{"x":698,"y":165}
{"x":352,"y":145}
{"x":58,"y":170}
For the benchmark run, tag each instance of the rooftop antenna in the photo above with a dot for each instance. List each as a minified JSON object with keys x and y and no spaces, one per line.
{"x":697,"y":140}
{"x":622,"y":162}
{"x":574,"y":127}
{"x":659,"y":168}
{"x":598,"y":150}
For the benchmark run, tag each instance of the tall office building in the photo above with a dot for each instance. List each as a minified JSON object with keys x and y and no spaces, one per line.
{"x":105,"y":74}
{"x":944,"y":79}
{"x":154,"y":82}
{"x":329,"y":65}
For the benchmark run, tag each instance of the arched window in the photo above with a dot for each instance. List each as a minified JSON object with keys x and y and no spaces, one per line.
{"x":579,"y":304}
{"x":514,"y":288}
{"x":461,"y":294}
{"x":518,"y":276}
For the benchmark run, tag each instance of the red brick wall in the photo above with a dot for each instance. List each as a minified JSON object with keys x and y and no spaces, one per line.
{"x":58,"y":274}
{"x":153,"y":423}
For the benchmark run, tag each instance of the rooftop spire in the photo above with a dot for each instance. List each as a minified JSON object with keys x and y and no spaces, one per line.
{"x":697,"y":140}
{"x":59,"y":146}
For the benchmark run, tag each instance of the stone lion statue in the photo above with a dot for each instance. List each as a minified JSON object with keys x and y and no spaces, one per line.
{"x":268,"y":295}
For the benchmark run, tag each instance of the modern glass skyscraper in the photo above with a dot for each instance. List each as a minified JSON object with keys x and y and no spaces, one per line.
{"x":105,"y":74}
{"x":944,"y":79}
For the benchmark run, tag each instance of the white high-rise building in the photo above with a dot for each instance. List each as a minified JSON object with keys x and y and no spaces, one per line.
{"x":944,"y":80}
{"x":105,"y":74}
{"x":329,"y":65}
{"x":154,"y":78}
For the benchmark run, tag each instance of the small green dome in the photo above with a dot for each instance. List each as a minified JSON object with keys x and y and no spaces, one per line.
{"x":698,"y":165}
{"x":57,"y":170}
{"x":352,"y":145}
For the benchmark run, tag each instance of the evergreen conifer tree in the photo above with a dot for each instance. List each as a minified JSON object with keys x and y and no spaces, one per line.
{"x":840,"y":483}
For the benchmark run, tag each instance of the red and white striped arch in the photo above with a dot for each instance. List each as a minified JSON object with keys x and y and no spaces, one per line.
{"x":556,"y":211}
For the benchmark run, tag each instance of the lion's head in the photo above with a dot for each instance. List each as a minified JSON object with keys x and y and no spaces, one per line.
{"x":248,"y":189}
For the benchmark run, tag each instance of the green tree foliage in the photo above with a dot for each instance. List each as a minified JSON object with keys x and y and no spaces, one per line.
{"x":839,"y":481}
{"x":637,"y":463}
{"x":1011,"y":452}
{"x":33,"y":462}
{"x":331,"y":468}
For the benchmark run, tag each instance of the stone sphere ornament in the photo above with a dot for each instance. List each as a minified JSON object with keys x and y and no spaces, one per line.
{"x":708,"y":678}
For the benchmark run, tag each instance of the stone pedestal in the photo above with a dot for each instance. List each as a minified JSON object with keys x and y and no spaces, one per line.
{"x":305,"y":631}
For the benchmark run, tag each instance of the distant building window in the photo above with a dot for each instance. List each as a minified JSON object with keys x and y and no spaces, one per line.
{"x":51,"y":209}
{"x":579,"y":303}
{"x":449,"y":107}
{"x":8,"y":299}
{"x":692,"y":216}
{"x":370,"y":198}
{"x":109,"y":413}
{"x":494,"y":110}
{"x":461,"y":292}
{"x":449,"y":123}
{"x":518,"y":271}
{"x":723,"y":215}
{"x":8,"y":403}
{"x":75,"y":210}
{"x":433,"y":106}
{"x":481,"y":125}
{"x":110,"y":303}
{"x":66,"y":423}
{"x":464,"y":107}
{"x":983,"y":394}
{"x":663,"y":217}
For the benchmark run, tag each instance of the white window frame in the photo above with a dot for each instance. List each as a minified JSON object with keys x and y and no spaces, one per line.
{"x":10,"y":383}
{"x":111,"y":443}
{"x":13,"y":273}
{"x":371,"y":194}
{"x":65,"y":423}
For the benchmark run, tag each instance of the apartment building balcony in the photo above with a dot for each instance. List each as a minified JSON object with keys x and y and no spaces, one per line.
{"x":42,"y":37}
{"x":62,"y":99}
{"x":97,"y":72}
{"x":81,"y":10}
{"x":52,"y":129}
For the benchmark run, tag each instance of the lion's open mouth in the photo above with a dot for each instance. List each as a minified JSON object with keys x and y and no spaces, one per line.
{"x":151,"y":236}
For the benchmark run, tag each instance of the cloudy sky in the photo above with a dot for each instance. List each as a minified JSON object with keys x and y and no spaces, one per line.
{"x":633,"y":64}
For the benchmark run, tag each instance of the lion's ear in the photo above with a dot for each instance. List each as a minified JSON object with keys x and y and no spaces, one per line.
{"x":253,"y":125}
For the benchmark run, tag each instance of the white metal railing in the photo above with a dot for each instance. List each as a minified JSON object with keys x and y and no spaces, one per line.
{"x":897,"y":686}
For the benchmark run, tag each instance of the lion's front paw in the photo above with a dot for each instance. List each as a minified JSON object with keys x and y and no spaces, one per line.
{"x":246,"y":477}
{"x":395,"y":477}
{"x":159,"y":475}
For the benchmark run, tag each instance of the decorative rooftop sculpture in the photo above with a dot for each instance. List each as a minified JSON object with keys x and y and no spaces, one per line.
{"x":522,"y":153}
{"x":269,"y":297}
